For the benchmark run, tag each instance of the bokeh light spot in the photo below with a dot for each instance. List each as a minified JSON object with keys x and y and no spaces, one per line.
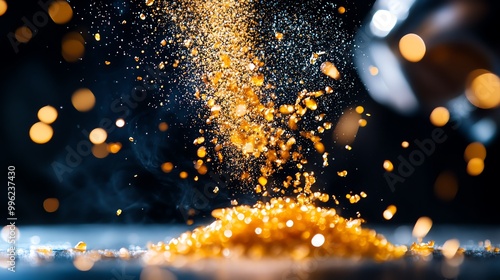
{"x":422,"y":227}
{"x":83,"y":262}
{"x":483,"y":89}
{"x":114,"y":147}
{"x":3,"y":7}
{"x":388,"y":166}
{"x":412,"y":47}
{"x":41,"y":133}
{"x":318,"y":240}
{"x":475,"y":166}
{"x":120,"y":122}
{"x":51,"y":205}
{"x":7,"y":234}
{"x":60,"y":11}
{"x":389,"y":212}
{"x":163,"y":126}
{"x":183,"y":175}
{"x":450,"y":248}
{"x":152,"y":272}
{"x":475,"y":150}
{"x":446,"y":186}
{"x":83,"y":100}
{"x":23,"y":34}
{"x":72,"y":47}
{"x":98,"y":135}
{"x":100,"y":150}
{"x":347,"y":128}
{"x":167,"y":167}
{"x":439,"y":116}
{"x":47,"y":114}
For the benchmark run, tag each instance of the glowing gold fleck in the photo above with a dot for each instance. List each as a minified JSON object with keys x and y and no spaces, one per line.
{"x":330,"y":70}
{"x":80,"y":246}
{"x":388,"y":166}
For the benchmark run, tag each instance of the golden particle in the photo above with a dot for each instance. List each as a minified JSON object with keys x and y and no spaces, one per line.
{"x":80,"y":246}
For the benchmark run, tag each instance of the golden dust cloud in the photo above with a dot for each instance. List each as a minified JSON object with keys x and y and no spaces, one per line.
{"x":41,"y":133}
{"x":83,"y":100}
{"x":60,"y":11}
{"x":412,"y":47}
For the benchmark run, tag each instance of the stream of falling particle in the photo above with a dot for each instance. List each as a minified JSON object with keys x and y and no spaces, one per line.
{"x":256,"y":134}
{"x":251,"y":132}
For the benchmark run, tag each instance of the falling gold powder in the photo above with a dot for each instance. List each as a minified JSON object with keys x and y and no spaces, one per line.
{"x":256,"y":136}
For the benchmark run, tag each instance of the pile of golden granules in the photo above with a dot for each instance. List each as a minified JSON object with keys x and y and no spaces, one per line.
{"x":282,"y":227}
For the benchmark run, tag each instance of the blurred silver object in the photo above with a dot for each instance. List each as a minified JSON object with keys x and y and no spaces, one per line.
{"x":459,"y":36}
